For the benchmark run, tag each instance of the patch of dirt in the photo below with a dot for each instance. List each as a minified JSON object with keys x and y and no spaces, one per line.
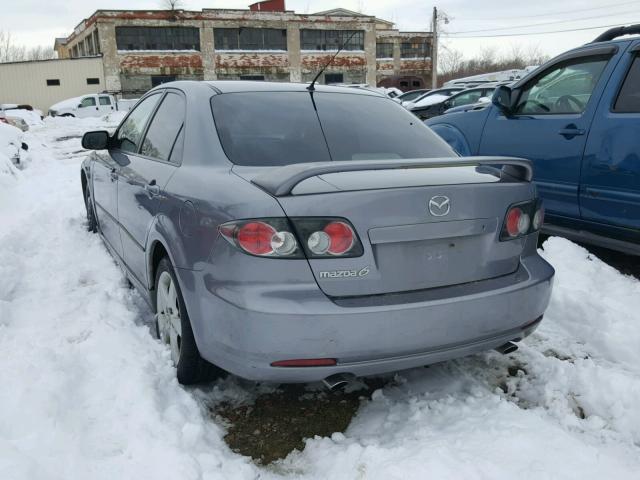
{"x":278,"y":423}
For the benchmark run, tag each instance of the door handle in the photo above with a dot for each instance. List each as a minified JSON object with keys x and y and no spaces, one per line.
{"x":113,"y":174}
{"x":571,"y":131}
{"x":152,"y":189}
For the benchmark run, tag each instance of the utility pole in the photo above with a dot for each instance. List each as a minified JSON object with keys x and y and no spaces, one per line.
{"x":434,"y":49}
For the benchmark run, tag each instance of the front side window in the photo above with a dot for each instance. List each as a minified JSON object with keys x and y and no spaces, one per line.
{"x":629,"y":98}
{"x":465,"y":98}
{"x":282,"y":128}
{"x":164,"y":128}
{"x":88,"y":102}
{"x":564,"y":89}
{"x":158,"y":38}
{"x":130,"y":132}
{"x":331,"y":39}
{"x":250,"y":39}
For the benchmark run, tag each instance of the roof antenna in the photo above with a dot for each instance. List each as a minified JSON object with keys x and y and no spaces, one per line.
{"x":311,"y":87}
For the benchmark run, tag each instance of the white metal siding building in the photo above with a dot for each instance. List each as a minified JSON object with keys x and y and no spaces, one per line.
{"x":43,"y":83}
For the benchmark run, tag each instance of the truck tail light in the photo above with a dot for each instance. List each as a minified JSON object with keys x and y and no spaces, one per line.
{"x":522,"y":219}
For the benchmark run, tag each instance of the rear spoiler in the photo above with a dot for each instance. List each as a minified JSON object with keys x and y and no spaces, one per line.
{"x":281,"y":181}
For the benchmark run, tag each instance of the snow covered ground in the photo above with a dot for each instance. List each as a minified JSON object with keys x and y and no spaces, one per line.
{"x":87,"y":393}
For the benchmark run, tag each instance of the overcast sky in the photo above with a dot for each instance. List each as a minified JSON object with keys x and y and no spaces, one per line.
{"x":36,"y":22}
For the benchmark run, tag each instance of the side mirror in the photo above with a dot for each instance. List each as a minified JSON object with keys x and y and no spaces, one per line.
{"x":502,"y":99}
{"x":98,"y":140}
{"x":79,"y":105}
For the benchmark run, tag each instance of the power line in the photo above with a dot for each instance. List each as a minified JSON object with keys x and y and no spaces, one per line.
{"x":613,"y":5}
{"x":540,"y":33}
{"x":545,"y":23}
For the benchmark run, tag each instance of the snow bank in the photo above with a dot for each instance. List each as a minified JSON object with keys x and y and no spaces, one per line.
{"x":88,"y":393}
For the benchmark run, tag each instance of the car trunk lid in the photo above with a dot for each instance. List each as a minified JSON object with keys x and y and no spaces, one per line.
{"x":420,"y":227}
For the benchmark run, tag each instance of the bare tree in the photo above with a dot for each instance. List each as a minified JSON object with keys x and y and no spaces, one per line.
{"x":172,"y":4}
{"x":10,"y":52}
{"x":449,"y":59}
{"x":516,"y":57}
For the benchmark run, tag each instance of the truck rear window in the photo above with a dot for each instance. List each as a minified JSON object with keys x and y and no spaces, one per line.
{"x":281,"y":128}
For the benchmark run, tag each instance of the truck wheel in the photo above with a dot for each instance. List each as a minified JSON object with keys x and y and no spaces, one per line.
{"x":174,"y":328}
{"x":92,"y":223}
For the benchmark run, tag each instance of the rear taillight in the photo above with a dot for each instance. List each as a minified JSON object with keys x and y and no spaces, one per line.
{"x":293,"y":238}
{"x":268,"y":237}
{"x":522,"y":219}
{"x":327,"y":237}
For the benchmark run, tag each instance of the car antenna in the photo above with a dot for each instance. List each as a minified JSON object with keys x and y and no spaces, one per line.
{"x":311,"y":87}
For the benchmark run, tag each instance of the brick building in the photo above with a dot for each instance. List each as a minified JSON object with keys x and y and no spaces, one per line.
{"x":141,"y":49}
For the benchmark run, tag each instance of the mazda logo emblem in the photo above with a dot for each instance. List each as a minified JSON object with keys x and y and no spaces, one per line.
{"x":439,"y":206}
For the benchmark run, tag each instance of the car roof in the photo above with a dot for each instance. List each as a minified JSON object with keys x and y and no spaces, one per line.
{"x":236,"y":86}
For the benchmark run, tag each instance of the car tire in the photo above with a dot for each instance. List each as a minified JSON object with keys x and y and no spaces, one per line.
{"x":92,"y":222}
{"x":173,"y":327}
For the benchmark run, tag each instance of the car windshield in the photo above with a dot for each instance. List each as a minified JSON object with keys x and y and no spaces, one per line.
{"x":281,"y":128}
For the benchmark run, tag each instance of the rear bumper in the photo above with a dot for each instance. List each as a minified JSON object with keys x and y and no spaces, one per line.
{"x":366,"y":338}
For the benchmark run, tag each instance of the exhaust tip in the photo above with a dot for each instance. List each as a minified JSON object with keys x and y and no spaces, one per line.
{"x":338,"y":380}
{"x":507,"y":348}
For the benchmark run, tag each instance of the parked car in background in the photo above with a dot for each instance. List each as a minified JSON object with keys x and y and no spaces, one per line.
{"x":481,"y":103}
{"x":291,"y":235}
{"x":462,"y":98}
{"x":412,"y":94}
{"x":88,"y":106}
{"x":11,"y":143}
{"x":505,"y":76}
{"x":577,"y":118}
{"x":20,"y":116}
{"x":428,"y":98}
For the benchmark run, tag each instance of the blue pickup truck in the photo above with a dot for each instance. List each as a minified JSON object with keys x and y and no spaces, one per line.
{"x":578,"y":119}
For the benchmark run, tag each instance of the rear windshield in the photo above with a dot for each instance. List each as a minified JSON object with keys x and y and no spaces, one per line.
{"x":281,"y":128}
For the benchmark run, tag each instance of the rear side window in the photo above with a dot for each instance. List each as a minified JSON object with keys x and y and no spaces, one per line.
{"x":130,"y":132}
{"x":281,"y":128}
{"x":164,"y":128}
{"x":629,"y":97}
{"x":104,"y":100}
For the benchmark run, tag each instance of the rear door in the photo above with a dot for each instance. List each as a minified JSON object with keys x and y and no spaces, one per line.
{"x":552,"y":118}
{"x":105,"y":104}
{"x":141,"y":187}
{"x":610,"y":190}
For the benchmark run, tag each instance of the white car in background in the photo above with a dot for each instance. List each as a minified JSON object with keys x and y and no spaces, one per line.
{"x":428,"y":98}
{"x":11,"y":144}
{"x":89,"y":106}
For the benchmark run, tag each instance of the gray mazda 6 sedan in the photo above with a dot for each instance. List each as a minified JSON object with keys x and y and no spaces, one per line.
{"x":293,"y":233}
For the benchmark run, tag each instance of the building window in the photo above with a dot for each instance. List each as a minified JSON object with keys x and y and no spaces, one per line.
{"x":252,"y":77}
{"x":53,"y":82}
{"x":250,"y":39}
{"x":418,"y":49}
{"x":96,"y":41}
{"x":157,"y":38}
{"x":160,"y":79}
{"x":330,"y":78}
{"x":331,"y":39}
{"x":384,"y":50}
{"x":93,"y":81}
